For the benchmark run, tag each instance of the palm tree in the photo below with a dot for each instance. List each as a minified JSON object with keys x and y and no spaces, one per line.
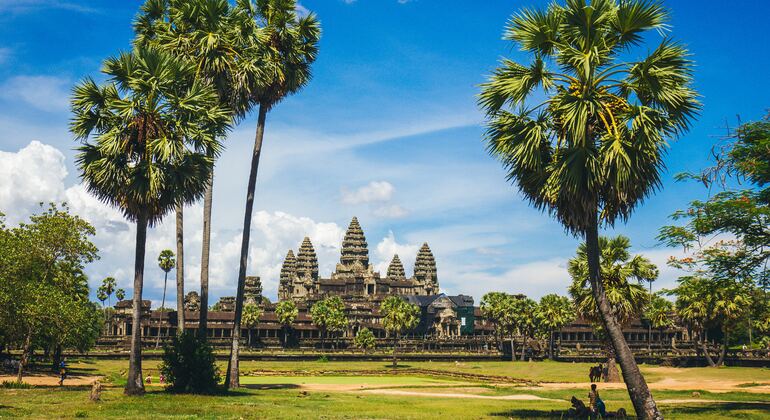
{"x":148,"y":138}
{"x":251,"y":315}
{"x":283,"y":47}
{"x":101,"y":294}
{"x":108,"y":285}
{"x":166,"y":263}
{"x":206,"y":34}
{"x":593,"y":150}
{"x":626,"y":300}
{"x":658,"y":314}
{"x":398,"y":316}
{"x":553,"y":313}
{"x":286,"y":311}
{"x":120,"y":294}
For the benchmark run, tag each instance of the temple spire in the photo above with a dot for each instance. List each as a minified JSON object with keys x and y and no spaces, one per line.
{"x":425,"y":269}
{"x":354,"y":246}
{"x":307,"y":261}
{"x":396,"y":269}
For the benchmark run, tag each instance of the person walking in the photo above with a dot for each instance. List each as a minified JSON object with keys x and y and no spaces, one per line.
{"x":62,"y":372}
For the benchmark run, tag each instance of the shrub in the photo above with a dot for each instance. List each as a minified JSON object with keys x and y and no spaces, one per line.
{"x":189,"y":365}
{"x":15,"y":385}
{"x":323,"y":359}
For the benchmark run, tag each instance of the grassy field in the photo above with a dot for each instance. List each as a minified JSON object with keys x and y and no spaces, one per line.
{"x":302,"y":390}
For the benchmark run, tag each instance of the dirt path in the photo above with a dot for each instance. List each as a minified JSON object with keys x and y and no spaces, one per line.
{"x":520,"y":397}
{"x":667,"y":384}
{"x":53,"y":380}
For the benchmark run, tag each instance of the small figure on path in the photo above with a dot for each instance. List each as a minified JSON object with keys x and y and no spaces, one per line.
{"x":596,"y":403}
{"x":148,"y":379}
{"x":62,"y":372}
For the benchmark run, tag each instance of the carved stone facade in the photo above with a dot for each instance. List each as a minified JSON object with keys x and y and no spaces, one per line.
{"x":353,"y":277}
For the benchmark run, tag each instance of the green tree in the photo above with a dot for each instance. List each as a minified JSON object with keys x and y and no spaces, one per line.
{"x":329,"y":316}
{"x":101,"y":294}
{"x":522,"y":311}
{"x":44,"y":292}
{"x":286,"y":311}
{"x":166,"y":262}
{"x":108,"y":286}
{"x":148,"y":136}
{"x":251,"y":315}
{"x":365,"y":339}
{"x":120,"y":294}
{"x":208,"y":35}
{"x":625,"y":299}
{"x":493,"y":308}
{"x":281,"y":47}
{"x":398,"y":317}
{"x":593,"y":150}
{"x":553,"y":313}
{"x":707,"y":303}
{"x":658,"y":313}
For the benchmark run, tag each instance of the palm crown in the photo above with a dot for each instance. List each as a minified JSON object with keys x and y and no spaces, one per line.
{"x":153,"y":128}
{"x":166,"y":260}
{"x":280,"y":49}
{"x":596,"y":143}
{"x":617,"y":268}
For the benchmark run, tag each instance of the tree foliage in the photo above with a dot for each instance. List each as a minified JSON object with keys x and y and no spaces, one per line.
{"x":189,"y":365}
{"x":365,"y":339}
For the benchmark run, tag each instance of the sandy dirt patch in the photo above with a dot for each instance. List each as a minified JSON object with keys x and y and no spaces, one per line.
{"x":414,"y":393}
{"x":665,"y":384}
{"x":52,"y":380}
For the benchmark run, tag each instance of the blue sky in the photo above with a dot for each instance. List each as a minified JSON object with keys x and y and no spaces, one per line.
{"x":388,"y":130}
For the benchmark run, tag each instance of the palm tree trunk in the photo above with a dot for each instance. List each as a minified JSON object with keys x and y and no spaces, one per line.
{"x":135,"y":385}
{"x":523,"y":347}
{"x":640,"y":394}
{"x":232,"y":381}
{"x":705,"y":348}
{"x":513,"y":352}
{"x":179,"y":268}
{"x":205,"y":251}
{"x":721,"y":360}
{"x":162,"y":307}
{"x":550,"y":344}
{"x":395,"y":350}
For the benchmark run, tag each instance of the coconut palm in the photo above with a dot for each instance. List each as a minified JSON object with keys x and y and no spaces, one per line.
{"x":283,"y":46}
{"x":148,"y":139}
{"x":166,"y":263}
{"x":206,"y":34}
{"x":593,"y":149}
{"x":553,"y":313}
{"x":108,"y":286}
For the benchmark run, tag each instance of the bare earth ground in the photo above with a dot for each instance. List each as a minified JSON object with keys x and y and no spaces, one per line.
{"x":52,"y":380}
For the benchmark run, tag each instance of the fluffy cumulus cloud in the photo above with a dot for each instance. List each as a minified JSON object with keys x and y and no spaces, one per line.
{"x":30,"y":176}
{"x":46,"y":93}
{"x":389,"y":246}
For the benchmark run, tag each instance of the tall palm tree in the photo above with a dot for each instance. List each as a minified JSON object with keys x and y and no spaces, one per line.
{"x":593,"y":150}
{"x":109,"y":284}
{"x":148,"y":136}
{"x":658,"y":314}
{"x":553,"y":313}
{"x":283,"y":46}
{"x":206,"y":34}
{"x":286,"y":311}
{"x":166,"y":263}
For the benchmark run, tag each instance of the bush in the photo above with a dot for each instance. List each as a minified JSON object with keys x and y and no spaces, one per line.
{"x":15,"y":385}
{"x":323,"y":359}
{"x":189,"y":365}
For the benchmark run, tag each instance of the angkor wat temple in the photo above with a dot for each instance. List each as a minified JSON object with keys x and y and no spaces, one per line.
{"x":447,"y":322}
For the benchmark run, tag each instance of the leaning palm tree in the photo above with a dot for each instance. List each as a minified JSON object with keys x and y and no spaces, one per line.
{"x":148,"y":139}
{"x":593,"y":150}
{"x":166,"y":263}
{"x":281,"y":48}
{"x":627,"y":299}
{"x":206,"y":34}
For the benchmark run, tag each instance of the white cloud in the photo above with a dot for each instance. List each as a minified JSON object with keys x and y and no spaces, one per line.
{"x":21,"y":6}
{"x":375,"y":191}
{"x":301,"y":10}
{"x":46,"y":93}
{"x":393,"y":211}
{"x":388,"y":246}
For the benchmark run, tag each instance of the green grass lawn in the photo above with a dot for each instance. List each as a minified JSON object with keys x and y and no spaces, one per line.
{"x":281,"y":395}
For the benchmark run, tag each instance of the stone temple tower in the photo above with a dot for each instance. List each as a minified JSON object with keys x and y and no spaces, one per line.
{"x":288,"y":275}
{"x":355,"y":251}
{"x":307,"y":269}
{"x":425,"y":273}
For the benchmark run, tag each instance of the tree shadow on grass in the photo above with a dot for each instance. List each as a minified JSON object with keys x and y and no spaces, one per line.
{"x":701,"y":409}
{"x":263,"y":387}
{"x":529,"y":414}
{"x":400,"y":366}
